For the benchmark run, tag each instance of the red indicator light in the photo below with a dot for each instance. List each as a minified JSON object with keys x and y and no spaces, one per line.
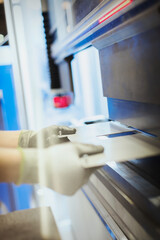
{"x":115,"y":10}
{"x":62,"y":101}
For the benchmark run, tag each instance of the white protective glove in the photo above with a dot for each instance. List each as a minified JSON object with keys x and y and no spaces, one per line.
{"x":61,"y":164}
{"x":48,"y":136}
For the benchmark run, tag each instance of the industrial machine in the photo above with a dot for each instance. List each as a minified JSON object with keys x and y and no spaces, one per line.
{"x":105,"y":54}
{"x":125,"y":192}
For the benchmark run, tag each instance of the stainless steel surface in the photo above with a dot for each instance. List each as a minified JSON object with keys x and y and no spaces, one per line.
{"x":126,"y":194}
{"x":93,"y":195}
{"x":87,"y":132}
{"x":144,"y":116}
{"x":128,"y":64}
{"x":67,"y":46}
{"x":138,"y":185}
{"x":130,"y":81}
{"x":80,"y":11}
{"x":116,"y":149}
{"x":145,"y":21}
{"x":108,"y":198}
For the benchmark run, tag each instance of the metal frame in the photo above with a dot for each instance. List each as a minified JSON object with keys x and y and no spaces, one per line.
{"x":89,"y":29}
{"x":22,"y":114}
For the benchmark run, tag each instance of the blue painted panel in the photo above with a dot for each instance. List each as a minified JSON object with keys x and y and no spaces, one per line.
{"x":23,"y":195}
{"x":4,"y":196}
{"x":8,"y":103}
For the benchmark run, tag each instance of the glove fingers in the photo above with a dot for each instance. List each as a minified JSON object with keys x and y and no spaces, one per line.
{"x":63,"y":130}
{"x":53,"y":140}
{"x":88,"y":149}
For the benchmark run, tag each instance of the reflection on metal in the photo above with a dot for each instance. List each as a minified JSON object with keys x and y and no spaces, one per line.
{"x":115,"y":10}
{"x":118,"y":149}
{"x":128,"y":214}
{"x":103,"y":219}
{"x":89,"y":29}
{"x":120,"y":134}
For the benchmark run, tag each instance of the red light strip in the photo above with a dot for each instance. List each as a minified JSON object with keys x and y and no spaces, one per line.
{"x":115,"y":10}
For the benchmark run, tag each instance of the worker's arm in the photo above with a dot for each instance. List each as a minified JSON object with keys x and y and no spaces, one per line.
{"x":46,"y":137}
{"x":9,"y":139}
{"x":10,"y":160}
{"x":58,"y":167}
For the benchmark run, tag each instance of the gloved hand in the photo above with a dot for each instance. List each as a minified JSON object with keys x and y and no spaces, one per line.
{"x":48,"y":136}
{"x":61,"y":164}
